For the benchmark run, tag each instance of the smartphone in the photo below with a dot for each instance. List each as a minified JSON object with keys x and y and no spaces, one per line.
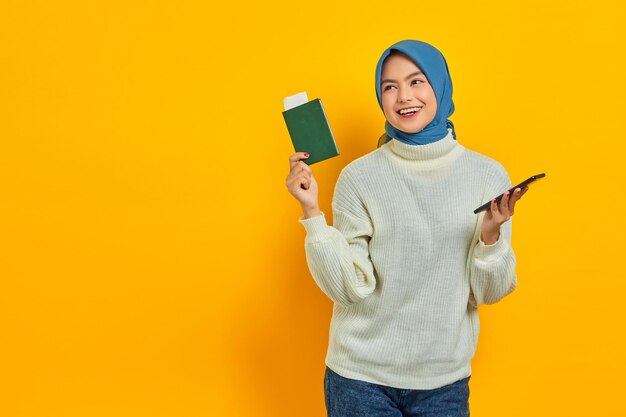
{"x":520,"y":185}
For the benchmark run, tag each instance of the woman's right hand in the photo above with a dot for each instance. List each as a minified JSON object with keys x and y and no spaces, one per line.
{"x":302,"y":185}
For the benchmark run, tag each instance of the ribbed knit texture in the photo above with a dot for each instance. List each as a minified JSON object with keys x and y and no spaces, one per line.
{"x":404,"y":264}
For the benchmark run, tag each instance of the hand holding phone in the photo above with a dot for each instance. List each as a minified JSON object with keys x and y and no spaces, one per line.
{"x":520,"y":185}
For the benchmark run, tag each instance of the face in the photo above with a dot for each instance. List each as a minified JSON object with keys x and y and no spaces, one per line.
{"x":409,"y":102}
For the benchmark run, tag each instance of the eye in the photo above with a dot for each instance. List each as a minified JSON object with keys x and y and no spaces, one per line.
{"x":416,"y":82}
{"x":388,"y":87}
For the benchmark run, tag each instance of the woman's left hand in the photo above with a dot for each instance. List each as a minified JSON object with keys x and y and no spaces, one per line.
{"x":498,"y":214}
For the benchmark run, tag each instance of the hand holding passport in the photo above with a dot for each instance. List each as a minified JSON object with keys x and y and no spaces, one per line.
{"x":308,"y":128}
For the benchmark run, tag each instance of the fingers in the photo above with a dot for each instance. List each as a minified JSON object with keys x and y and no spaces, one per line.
{"x":300,"y":176}
{"x":494,"y":208}
{"x":296,"y":157}
{"x":304,"y":167}
{"x":299,"y":179}
{"x":296,"y":182}
{"x":305,"y":180}
{"x":504,"y":204}
{"x":517,"y":194}
{"x":501,"y":211}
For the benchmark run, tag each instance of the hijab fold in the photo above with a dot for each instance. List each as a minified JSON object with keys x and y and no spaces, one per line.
{"x":435,"y":67}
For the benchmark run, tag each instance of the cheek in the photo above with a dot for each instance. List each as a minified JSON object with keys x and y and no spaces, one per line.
{"x":428,"y":96}
{"x":387,"y":105}
{"x":432,"y":104}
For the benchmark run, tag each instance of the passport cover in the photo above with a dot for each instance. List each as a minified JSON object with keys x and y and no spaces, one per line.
{"x":310,"y":131}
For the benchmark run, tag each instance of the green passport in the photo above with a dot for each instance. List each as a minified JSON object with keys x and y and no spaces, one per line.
{"x":310,"y":131}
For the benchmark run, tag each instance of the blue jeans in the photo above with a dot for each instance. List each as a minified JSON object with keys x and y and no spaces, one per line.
{"x":352,"y":398}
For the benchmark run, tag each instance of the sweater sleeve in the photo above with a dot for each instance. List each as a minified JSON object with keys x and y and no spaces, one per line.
{"x":492,"y":267}
{"x":338,"y":256}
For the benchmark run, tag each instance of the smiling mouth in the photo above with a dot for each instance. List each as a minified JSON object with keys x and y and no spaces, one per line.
{"x":409,"y":111}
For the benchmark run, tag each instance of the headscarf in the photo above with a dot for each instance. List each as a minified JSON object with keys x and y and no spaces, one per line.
{"x":435,"y":67}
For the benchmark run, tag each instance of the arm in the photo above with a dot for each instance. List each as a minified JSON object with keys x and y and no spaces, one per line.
{"x":338,"y":257}
{"x":492,"y":269}
{"x":492,"y":262}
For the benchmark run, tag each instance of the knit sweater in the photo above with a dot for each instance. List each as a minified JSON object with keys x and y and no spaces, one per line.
{"x":405,"y":265}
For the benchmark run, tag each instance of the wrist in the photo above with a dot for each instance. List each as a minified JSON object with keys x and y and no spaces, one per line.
{"x":489,"y":238}
{"x":309,"y":212}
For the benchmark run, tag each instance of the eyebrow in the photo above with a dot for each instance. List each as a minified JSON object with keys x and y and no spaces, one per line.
{"x":387,"y":80}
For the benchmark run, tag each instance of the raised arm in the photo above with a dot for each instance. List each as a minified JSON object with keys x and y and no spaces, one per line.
{"x":338,"y":255}
{"x":493,"y":263}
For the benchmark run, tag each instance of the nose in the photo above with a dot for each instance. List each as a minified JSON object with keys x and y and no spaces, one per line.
{"x":404,"y":95}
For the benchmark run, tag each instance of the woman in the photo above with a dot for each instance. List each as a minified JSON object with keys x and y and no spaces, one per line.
{"x":406,"y":261}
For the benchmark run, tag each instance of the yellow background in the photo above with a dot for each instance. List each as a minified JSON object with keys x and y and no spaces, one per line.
{"x":151,"y":262}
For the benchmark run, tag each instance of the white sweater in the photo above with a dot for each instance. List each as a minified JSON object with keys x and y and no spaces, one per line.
{"x":404,"y":263}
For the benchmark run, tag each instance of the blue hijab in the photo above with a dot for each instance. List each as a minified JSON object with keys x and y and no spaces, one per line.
{"x":435,"y":67}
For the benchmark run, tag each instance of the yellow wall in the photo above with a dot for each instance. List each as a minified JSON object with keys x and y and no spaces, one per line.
{"x":151,"y":262}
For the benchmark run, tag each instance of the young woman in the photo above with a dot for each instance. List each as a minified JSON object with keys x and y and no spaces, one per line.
{"x":407,"y":262}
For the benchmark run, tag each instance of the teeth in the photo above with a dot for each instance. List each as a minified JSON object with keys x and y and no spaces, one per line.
{"x":411,"y":110}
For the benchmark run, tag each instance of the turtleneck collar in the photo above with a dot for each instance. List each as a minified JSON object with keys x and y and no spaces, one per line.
{"x":441,"y":151}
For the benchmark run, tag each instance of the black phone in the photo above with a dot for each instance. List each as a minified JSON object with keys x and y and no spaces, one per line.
{"x":520,"y":185}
